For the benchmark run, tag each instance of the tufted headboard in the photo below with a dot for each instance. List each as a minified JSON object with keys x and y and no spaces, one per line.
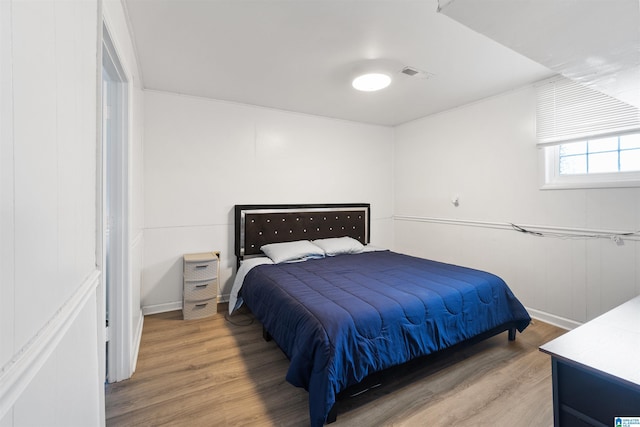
{"x":258,"y":225}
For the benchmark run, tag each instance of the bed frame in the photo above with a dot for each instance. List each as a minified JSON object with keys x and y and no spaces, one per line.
{"x":258,"y":225}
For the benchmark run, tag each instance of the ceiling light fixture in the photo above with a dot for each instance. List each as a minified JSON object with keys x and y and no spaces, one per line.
{"x":371,"y":82}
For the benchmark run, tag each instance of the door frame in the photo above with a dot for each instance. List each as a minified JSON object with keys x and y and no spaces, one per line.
{"x":114,"y":196}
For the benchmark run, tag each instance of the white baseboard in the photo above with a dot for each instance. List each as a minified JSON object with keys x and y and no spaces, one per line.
{"x":554,"y":320}
{"x":173,"y":306}
{"x":161,"y":308}
{"x":137,"y":336}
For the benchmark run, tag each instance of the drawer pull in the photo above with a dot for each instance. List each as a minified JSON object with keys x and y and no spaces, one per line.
{"x":201,"y":305}
{"x":202,"y":266}
{"x":202,"y":286}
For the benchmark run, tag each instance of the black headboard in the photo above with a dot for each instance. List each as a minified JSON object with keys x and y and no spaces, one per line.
{"x":258,"y":225}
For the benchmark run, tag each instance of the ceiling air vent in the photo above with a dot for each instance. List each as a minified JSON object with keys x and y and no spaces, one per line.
{"x":414,"y":72}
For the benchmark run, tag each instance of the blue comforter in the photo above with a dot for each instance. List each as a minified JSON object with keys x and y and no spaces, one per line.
{"x":339,"y":319}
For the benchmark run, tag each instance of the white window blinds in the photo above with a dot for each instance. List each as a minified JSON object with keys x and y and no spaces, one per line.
{"x":568,"y":111}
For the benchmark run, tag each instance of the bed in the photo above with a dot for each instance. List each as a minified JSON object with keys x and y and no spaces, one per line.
{"x":347,"y":310}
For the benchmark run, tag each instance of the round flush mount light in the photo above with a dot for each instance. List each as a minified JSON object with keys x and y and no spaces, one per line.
{"x":371,"y":82}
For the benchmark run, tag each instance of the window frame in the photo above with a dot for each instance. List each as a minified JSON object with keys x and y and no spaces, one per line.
{"x":553,"y":180}
{"x":568,"y":111}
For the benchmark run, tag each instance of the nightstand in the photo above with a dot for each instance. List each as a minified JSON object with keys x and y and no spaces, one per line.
{"x":200,"y":285}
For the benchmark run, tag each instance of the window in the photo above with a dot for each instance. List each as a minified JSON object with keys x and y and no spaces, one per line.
{"x":589,"y":139}
{"x":612,"y":161}
{"x":605,"y":155}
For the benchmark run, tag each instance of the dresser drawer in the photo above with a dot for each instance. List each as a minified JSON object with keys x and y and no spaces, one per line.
{"x":199,"y":309}
{"x":200,"y":290}
{"x":201,"y":268}
{"x":200,"y":285}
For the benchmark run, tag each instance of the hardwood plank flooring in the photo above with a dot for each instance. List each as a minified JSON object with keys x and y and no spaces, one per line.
{"x":211,"y":372}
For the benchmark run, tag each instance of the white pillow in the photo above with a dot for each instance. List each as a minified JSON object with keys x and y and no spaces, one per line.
{"x":371,"y":248}
{"x":339,"y":245}
{"x":300,"y":250}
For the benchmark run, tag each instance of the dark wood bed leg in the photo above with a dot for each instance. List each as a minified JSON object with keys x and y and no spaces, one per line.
{"x":512,"y":334}
{"x":266,"y":335}
{"x":333,"y":414}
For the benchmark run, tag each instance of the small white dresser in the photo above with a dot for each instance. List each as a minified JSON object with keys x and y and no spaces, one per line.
{"x":200,"y":285}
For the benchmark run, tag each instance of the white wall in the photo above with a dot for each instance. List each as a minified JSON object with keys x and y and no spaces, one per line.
{"x":486,"y":154}
{"x":202,"y":157}
{"x":51,"y":299}
{"x":49,"y":285}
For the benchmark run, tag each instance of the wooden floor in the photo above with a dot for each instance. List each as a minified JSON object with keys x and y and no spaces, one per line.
{"x":211,"y":372}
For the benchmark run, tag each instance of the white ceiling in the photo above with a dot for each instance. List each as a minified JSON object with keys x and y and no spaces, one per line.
{"x":301,"y":55}
{"x":595,"y":42}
